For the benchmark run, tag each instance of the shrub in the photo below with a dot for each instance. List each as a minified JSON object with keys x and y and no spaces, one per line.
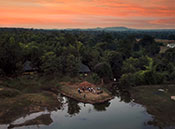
{"x":153,"y":77}
{"x":139,"y":78}
{"x":104,"y":71}
{"x":93,"y":78}
{"x":6,"y":92}
{"x":127,"y":80}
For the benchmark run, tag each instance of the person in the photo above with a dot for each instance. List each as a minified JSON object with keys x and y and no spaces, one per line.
{"x":83,"y":89}
{"x":92,"y":90}
{"x":84,"y":96}
{"x":89,"y":89}
{"x":79,"y":91}
{"x":98,"y":88}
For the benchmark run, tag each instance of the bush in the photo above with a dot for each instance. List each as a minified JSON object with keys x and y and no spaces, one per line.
{"x":127,"y":80}
{"x":104,"y":71}
{"x":6,"y":92}
{"x":139,"y":78}
{"x":142,"y":78}
{"x":159,"y":78}
{"x":153,"y":77}
{"x":93,"y":78}
{"x":1,"y":72}
{"x":172,"y":76}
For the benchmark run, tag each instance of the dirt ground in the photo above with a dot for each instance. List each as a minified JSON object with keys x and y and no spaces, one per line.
{"x":71,"y":90}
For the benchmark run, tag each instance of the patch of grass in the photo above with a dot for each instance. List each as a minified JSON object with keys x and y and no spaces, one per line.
{"x":70,"y":79}
{"x":7,"y":92}
{"x":158,"y":103}
{"x":19,"y":106}
{"x":24,"y":95}
{"x":93,"y":78}
{"x":163,"y":49}
{"x":34,"y":85}
{"x":20,"y":83}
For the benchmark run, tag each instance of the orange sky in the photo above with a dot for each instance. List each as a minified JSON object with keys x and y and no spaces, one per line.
{"x":87,"y":13}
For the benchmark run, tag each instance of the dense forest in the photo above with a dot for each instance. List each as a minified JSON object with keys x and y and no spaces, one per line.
{"x":133,"y":58}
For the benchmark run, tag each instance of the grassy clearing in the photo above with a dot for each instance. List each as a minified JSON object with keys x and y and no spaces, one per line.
{"x":23,"y":95}
{"x":30,"y":85}
{"x":165,"y":41}
{"x":158,"y":103}
{"x":7,"y":92}
{"x":21,"y":105}
{"x":163,"y":49}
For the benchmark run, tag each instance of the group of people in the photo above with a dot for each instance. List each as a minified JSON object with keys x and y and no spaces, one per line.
{"x":90,"y":89}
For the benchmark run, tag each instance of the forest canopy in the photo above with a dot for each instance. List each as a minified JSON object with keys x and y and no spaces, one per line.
{"x":133,"y":58}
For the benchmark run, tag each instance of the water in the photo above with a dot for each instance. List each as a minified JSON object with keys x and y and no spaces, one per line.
{"x":115,"y":114}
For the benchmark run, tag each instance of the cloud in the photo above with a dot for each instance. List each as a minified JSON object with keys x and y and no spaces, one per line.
{"x":90,"y":13}
{"x":168,"y":21}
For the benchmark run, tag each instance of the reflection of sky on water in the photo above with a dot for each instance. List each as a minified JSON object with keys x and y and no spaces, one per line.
{"x":29,"y":117}
{"x":118,"y":115}
{"x":113,"y":115}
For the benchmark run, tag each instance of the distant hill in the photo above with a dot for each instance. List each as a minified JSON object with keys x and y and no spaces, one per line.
{"x":106,"y":29}
{"x":116,"y":29}
{"x":109,"y":29}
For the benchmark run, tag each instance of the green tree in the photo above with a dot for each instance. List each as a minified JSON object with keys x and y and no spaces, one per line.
{"x":127,"y":80}
{"x":51,"y":64}
{"x":170,"y":55}
{"x":130,"y":65}
{"x":72,"y":65}
{"x":10,"y":56}
{"x":115,"y":59}
{"x":125,"y":46}
{"x":33,"y":52}
{"x":149,"y":46}
{"x":104,"y":71}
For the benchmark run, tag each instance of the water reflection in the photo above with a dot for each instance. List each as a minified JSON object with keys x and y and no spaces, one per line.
{"x":44,"y":119}
{"x":73,"y":107}
{"x":75,"y":115}
{"x":124,"y":96}
{"x":102,"y":106}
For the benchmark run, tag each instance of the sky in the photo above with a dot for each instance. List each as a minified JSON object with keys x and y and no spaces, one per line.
{"x":60,"y":14}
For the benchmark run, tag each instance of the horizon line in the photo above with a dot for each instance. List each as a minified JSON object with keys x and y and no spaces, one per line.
{"x":84,"y":28}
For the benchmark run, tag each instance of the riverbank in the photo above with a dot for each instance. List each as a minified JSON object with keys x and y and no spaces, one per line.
{"x":23,"y":95}
{"x":158,"y":102}
{"x":86,"y":96}
{"x":29,"y":94}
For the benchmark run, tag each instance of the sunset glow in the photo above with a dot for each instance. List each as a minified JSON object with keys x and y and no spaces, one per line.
{"x":57,"y":14}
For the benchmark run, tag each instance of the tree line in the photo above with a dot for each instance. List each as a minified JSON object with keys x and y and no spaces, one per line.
{"x":108,"y":54}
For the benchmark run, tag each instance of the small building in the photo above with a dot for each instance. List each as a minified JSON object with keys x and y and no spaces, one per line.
{"x":28,"y":66}
{"x":172,"y":45}
{"x":28,"y":69}
{"x":84,"y":69}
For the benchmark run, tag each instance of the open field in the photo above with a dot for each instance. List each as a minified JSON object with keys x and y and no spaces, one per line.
{"x":22,"y":96}
{"x":165,"y":41}
{"x":157,"y":102}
